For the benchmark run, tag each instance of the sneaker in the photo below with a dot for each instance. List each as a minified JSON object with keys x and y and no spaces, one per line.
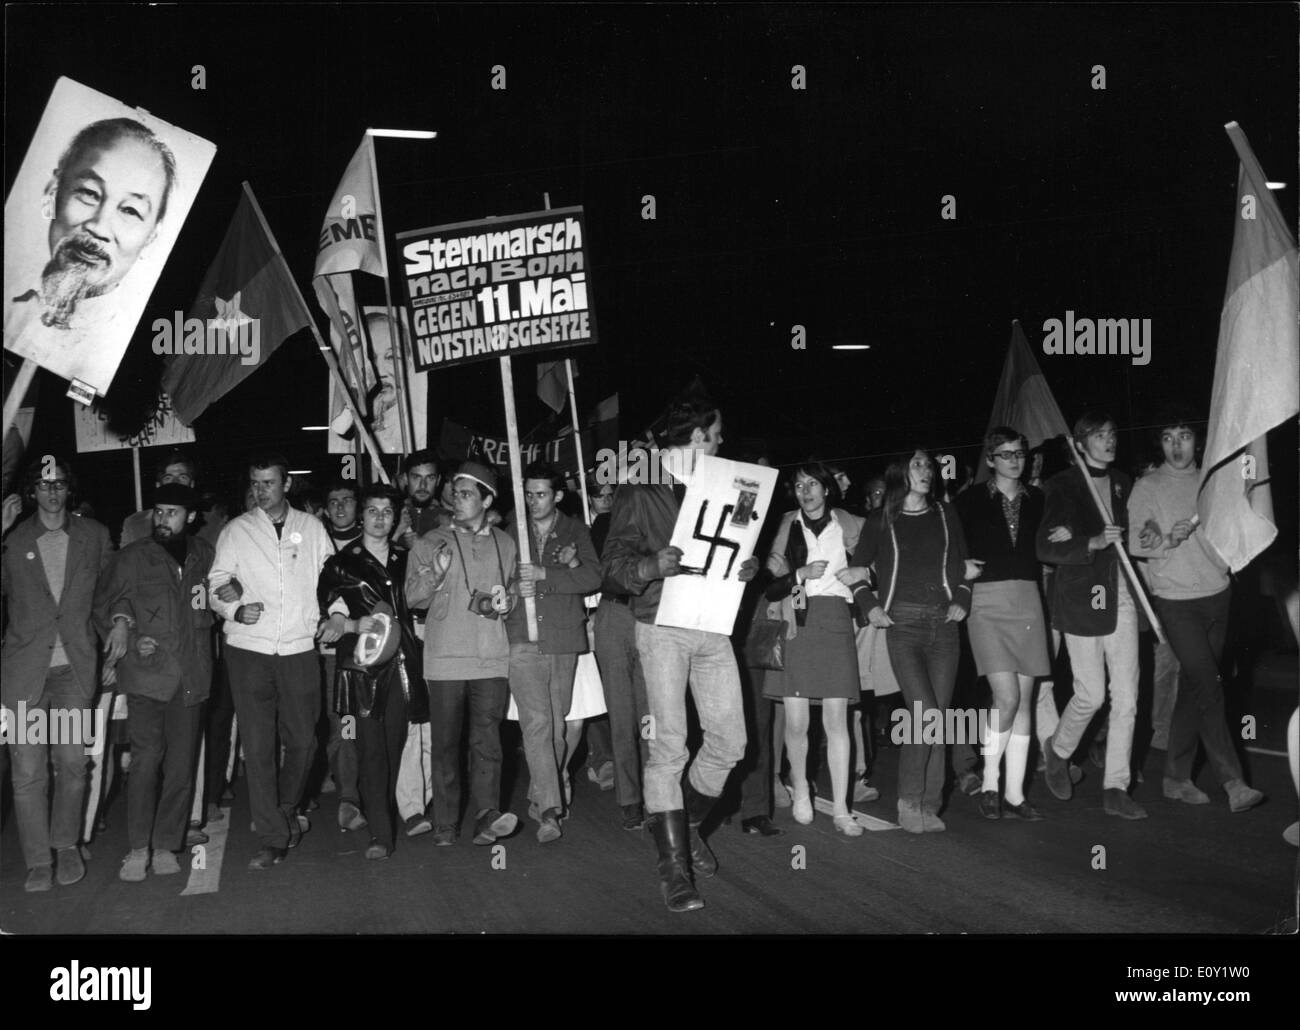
{"x":71,"y":869}
{"x":1117,"y":802}
{"x":492,"y":824}
{"x":633,"y":816}
{"x":417,"y":825}
{"x":350,"y":817}
{"x":864,"y":791}
{"x":549,"y":829}
{"x":39,"y":879}
{"x":1241,"y":796}
{"x":1184,"y":790}
{"x":909,"y":816}
{"x":931,"y":823}
{"x":134,"y":866}
{"x":165,"y":864}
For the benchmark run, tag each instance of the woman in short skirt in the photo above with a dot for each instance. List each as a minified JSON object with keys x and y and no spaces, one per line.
{"x":1008,"y":633}
{"x":811,"y":547}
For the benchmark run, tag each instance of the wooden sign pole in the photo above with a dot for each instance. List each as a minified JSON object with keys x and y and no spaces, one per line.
{"x":517,"y":482}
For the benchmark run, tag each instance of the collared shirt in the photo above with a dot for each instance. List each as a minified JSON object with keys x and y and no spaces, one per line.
{"x":1010,"y":506}
{"x":53,"y":545}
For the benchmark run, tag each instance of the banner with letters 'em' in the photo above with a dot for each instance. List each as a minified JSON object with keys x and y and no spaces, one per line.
{"x":499,"y":287}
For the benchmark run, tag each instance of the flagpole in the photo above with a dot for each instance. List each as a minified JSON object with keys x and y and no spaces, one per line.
{"x":517,"y":482}
{"x":405,"y":418}
{"x":321,"y":345}
{"x":577,"y":443}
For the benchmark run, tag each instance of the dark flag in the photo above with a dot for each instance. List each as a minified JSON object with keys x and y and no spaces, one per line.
{"x":1023,"y":401}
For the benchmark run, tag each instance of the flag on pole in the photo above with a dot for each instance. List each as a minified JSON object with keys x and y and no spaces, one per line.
{"x":1024,"y":401}
{"x":553,"y":384}
{"x":248,"y":306}
{"x":349,"y":239}
{"x":1256,"y":369}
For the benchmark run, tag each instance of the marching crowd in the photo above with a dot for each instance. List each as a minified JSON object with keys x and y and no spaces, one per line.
{"x":385,"y":635}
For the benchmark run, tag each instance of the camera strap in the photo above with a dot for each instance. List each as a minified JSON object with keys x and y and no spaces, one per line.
{"x":464,"y":568}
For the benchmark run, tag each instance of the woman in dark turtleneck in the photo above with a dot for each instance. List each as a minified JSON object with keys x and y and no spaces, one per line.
{"x":821,"y":659}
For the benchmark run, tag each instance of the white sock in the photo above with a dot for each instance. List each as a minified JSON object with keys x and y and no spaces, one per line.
{"x":1017,"y":760}
{"x":993,"y":749}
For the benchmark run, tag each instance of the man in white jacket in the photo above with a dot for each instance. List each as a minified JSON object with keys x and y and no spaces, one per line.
{"x":276,"y":554}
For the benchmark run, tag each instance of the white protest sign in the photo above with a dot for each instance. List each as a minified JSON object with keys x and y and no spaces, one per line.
{"x":717,"y":530}
{"x":162,"y":428}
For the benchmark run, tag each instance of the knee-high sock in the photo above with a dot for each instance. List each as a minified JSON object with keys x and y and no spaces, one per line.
{"x":1017,"y":760}
{"x":993,"y":748}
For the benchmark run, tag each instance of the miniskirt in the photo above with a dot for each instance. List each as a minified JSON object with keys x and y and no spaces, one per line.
{"x":822,"y":659}
{"x":1007,"y":630}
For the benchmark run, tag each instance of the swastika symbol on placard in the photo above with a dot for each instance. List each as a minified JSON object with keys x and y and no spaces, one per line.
{"x":714,"y":542}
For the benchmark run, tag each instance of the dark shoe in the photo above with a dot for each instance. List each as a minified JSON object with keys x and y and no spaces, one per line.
{"x":698,"y":806}
{"x":1097,"y":753}
{"x":761,"y":825}
{"x":492,"y":824}
{"x":39,"y":879}
{"x":350,"y":817}
{"x":670,"y":834}
{"x":227,"y":796}
{"x":633,"y":816}
{"x":444,"y":836}
{"x":989,"y":807}
{"x":1024,"y":811}
{"x":1117,"y":802}
{"x":298,"y":825}
{"x":418,"y":824}
{"x":268,"y":857}
{"x":549,"y":828}
{"x":70,"y":866}
{"x":193,"y":837}
{"x":377,"y":851}
{"x":1058,"y":771}
{"x":970,"y":784}
{"x":1076,"y":774}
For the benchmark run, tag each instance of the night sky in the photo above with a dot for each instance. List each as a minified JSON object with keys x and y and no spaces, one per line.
{"x":775,"y":206}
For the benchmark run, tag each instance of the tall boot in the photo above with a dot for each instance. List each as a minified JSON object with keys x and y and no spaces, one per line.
{"x":669,"y":830}
{"x":703,"y":862}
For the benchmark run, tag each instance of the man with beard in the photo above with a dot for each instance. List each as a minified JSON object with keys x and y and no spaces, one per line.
{"x":104,"y":204}
{"x":165,"y":674}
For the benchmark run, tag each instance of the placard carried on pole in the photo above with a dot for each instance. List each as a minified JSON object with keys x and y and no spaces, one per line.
{"x":498,"y":287}
{"x":717,"y":529}
{"x":161,"y":428}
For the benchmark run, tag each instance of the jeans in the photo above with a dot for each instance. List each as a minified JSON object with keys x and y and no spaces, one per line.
{"x":275,"y":693}
{"x":542,"y":685}
{"x":486,"y":699}
{"x":164,"y":738}
{"x":39,"y":828}
{"x":923,"y":649}
{"x":1197,"y":630}
{"x":340,"y":752}
{"x":1091,"y":658}
{"x":624,"y":684}
{"x":670,"y":657}
{"x":378,"y":755}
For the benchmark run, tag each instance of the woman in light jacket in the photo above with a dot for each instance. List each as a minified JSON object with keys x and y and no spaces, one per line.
{"x":821,"y":662}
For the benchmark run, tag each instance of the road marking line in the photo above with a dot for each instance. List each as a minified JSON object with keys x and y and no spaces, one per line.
{"x":1266,"y":751}
{"x":208,"y":879}
{"x":867,"y":822}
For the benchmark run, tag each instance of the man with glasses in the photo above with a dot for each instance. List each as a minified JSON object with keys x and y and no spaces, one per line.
{"x":1092,"y":604}
{"x":51,"y":566}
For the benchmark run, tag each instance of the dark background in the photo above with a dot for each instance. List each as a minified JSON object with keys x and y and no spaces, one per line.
{"x":774,"y":206}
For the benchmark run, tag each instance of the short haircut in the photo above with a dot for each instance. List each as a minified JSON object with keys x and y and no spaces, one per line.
{"x":544,"y":470}
{"x":821,"y":472}
{"x":1176,"y":418}
{"x":685,"y":415}
{"x":483,"y":492}
{"x":999,"y":435}
{"x":35,"y":473}
{"x":344,"y":484}
{"x":103,"y":134}
{"x":268,"y":460}
{"x":379,"y":492}
{"x":1089,"y":422}
{"x":423,"y":456}
{"x":176,"y":457}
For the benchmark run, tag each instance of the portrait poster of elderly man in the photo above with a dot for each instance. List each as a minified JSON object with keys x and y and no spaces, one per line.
{"x":89,"y":223}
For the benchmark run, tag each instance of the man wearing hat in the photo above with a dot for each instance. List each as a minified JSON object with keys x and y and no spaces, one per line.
{"x":157,"y":586}
{"x":462,"y":572}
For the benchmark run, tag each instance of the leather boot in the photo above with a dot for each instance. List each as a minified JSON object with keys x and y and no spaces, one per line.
{"x":703,"y":862}
{"x":669,"y":830}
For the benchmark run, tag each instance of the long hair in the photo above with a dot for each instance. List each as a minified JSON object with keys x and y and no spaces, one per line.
{"x":897,"y":483}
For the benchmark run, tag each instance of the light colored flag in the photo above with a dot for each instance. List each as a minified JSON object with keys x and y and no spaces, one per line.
{"x":349,"y":239}
{"x":1256,"y":369}
{"x":377,"y":355}
{"x":1024,"y":401}
{"x":247,"y":297}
